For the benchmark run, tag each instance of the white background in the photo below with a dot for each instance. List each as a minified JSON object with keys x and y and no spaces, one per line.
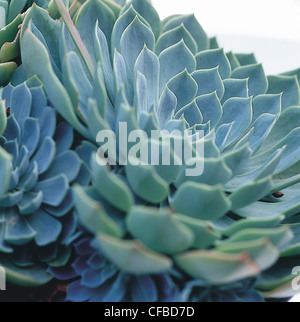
{"x":269,"y":28}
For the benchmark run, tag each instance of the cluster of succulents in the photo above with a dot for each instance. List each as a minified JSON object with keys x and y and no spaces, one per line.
{"x":137,"y":232}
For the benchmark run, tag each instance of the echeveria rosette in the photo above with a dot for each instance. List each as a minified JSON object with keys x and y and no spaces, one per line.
{"x":11,"y":17}
{"x":220,"y":228}
{"x":36,"y":218}
{"x":98,"y":280}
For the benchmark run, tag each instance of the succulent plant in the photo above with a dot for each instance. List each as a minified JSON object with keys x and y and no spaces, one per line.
{"x":36,"y":208}
{"x":11,"y":17}
{"x":151,"y":232}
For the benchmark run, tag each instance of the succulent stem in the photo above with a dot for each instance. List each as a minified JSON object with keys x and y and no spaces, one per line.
{"x":75,"y":36}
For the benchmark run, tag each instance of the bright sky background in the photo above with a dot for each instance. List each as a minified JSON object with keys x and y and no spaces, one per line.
{"x":269,"y":28}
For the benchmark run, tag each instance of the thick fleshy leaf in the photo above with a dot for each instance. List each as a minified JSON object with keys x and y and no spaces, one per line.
{"x":20,"y":103}
{"x":258,"y":82}
{"x":17,"y":229}
{"x":289,"y":86}
{"x":54,"y":189}
{"x":5,"y":160}
{"x":133,"y":257}
{"x":92,"y":215}
{"x":121,"y":24}
{"x":246,"y":59}
{"x":238,"y":110}
{"x":201,"y":201}
{"x":47,"y":228}
{"x":156,"y":189}
{"x":209,"y":80}
{"x":36,"y":62}
{"x":148,"y":65}
{"x":6,"y":70}
{"x":173,"y":36}
{"x":184,"y":87}
{"x":173,"y":61}
{"x":110,"y":185}
{"x":211,"y":108}
{"x":67,"y":163}
{"x":279,"y":237}
{"x":213,"y":58}
{"x":45,"y":155}
{"x":148,"y":12}
{"x":266,"y":104}
{"x":217,"y":267}
{"x":145,"y":225}
{"x":204,"y":234}
{"x":91,"y":12}
{"x":133,"y":40}
{"x":192,"y":25}
{"x":3,"y":118}
{"x":235,"y":88}
{"x":33,"y":276}
{"x":166,"y":107}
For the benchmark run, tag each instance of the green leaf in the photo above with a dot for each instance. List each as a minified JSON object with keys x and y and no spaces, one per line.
{"x":258,"y":82}
{"x":239,"y":111}
{"x":192,"y":25}
{"x":33,"y":276}
{"x":233,"y":60}
{"x":92,"y":215}
{"x":211,"y":108}
{"x":173,"y":61}
{"x":279,"y":237}
{"x":148,"y":12}
{"x":159,"y":230}
{"x":216,"y":267}
{"x":289,"y":86}
{"x":48,"y":28}
{"x":250,"y":193}
{"x":156,"y":190}
{"x":184,"y":87}
{"x":109,"y":186}
{"x":205,"y":235}
{"x":259,"y":223}
{"x":6,"y":70}
{"x":215,"y":172}
{"x":173,"y":36}
{"x":91,"y":12}
{"x":36,"y":62}
{"x":5,"y":171}
{"x":132,"y":257}
{"x":9,"y":32}
{"x":235,"y":88}
{"x":266,"y":104}
{"x":121,"y":24}
{"x":133,"y":40}
{"x":213,"y":58}
{"x":147,"y":64}
{"x":201,"y":201}
{"x":246,"y":59}
{"x":3,"y":118}
{"x":209,"y":80}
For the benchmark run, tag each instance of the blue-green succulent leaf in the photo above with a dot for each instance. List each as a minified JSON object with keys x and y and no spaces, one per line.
{"x":258,"y":82}
{"x":146,"y":225}
{"x":289,"y":86}
{"x":214,"y":58}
